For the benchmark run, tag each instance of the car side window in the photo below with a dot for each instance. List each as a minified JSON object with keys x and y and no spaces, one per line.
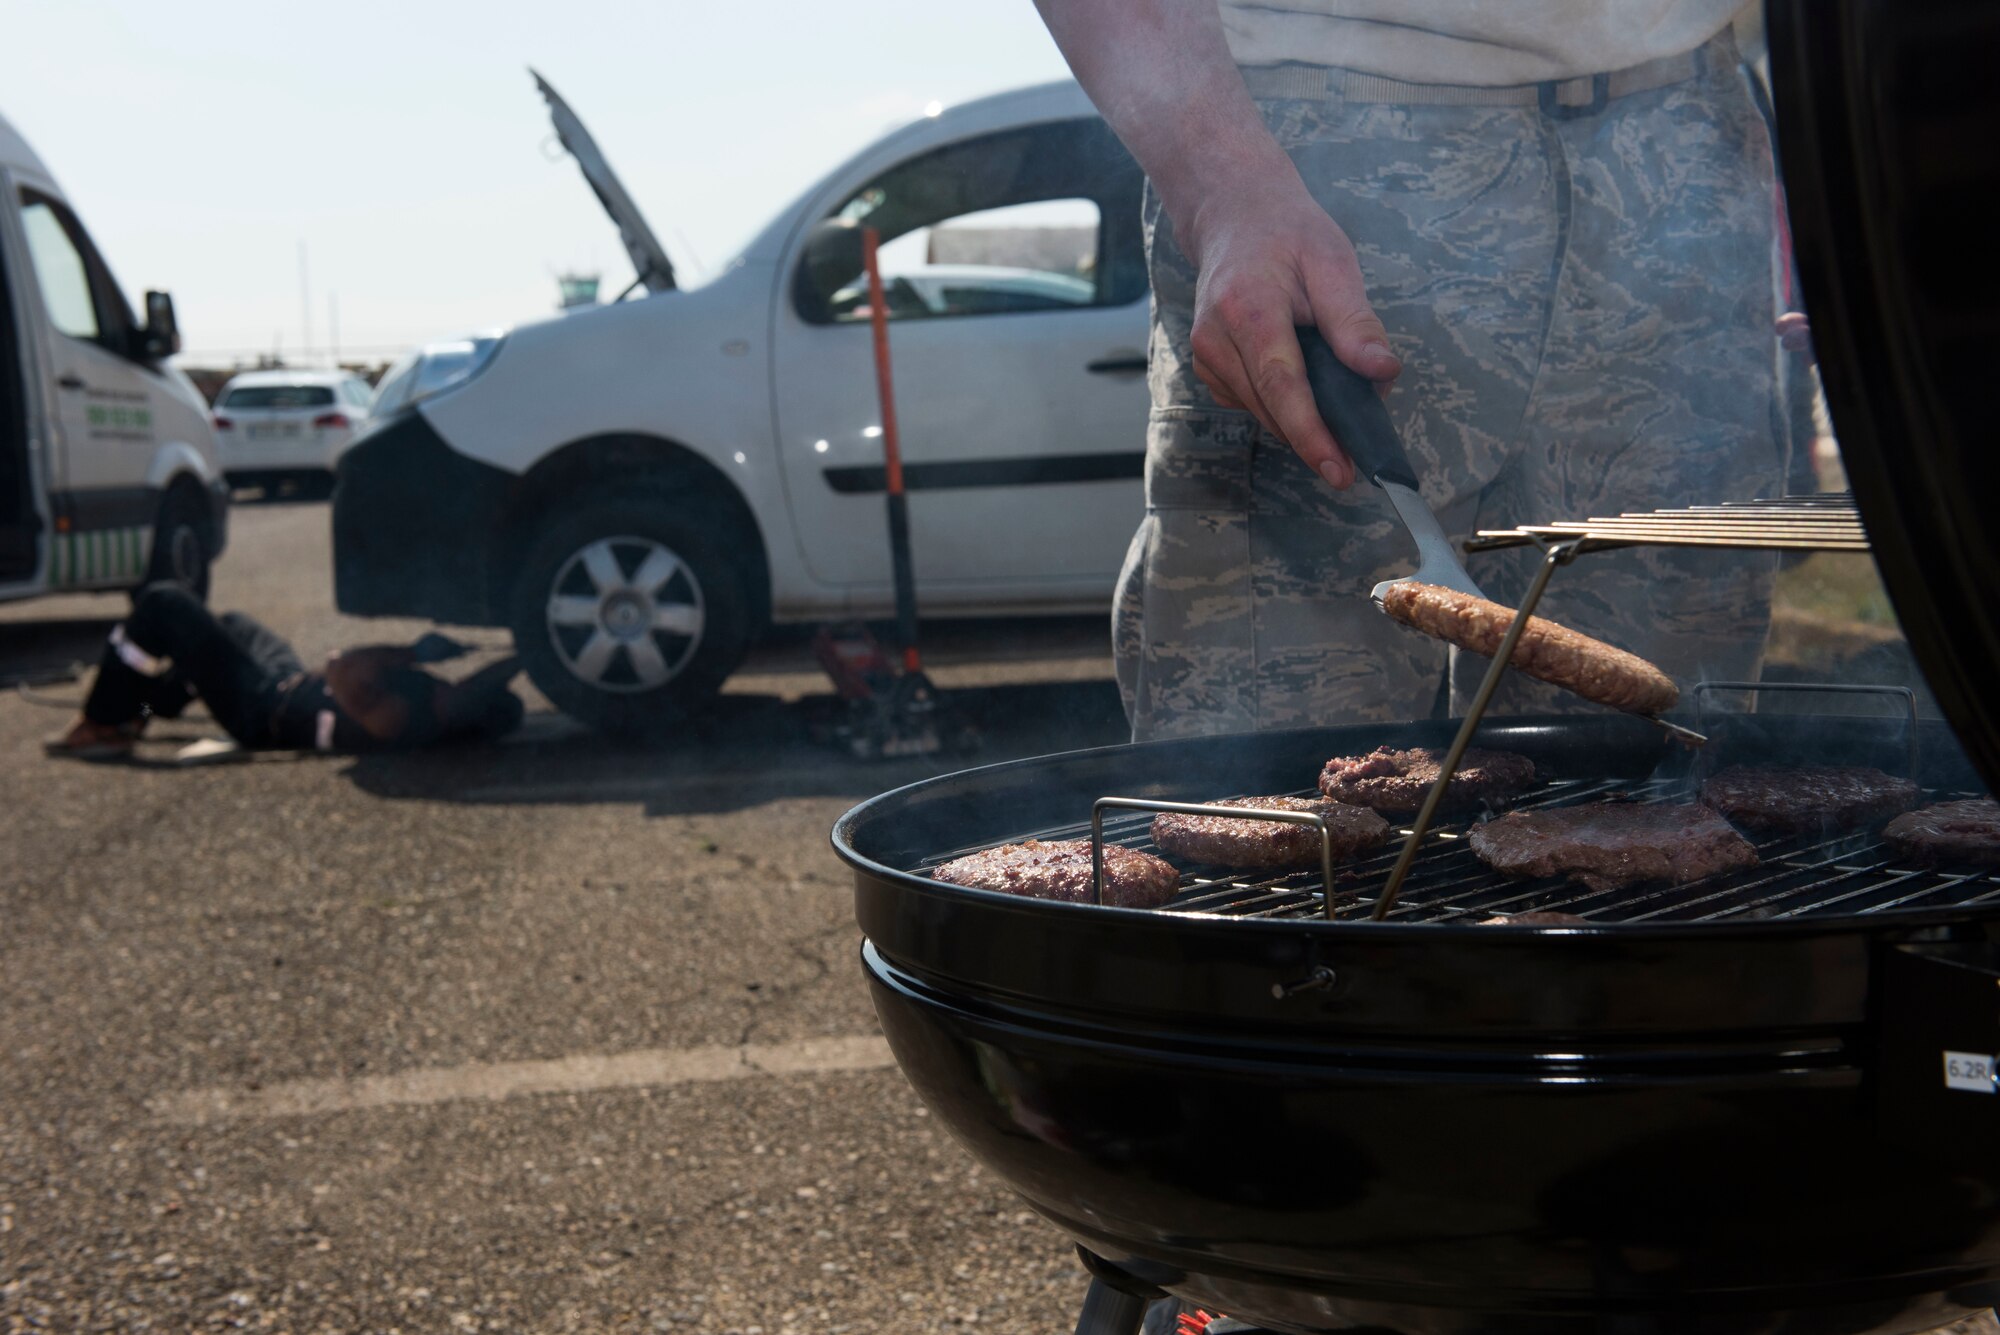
{"x":1035,"y":219}
{"x":82,"y":298}
{"x":59,"y":270}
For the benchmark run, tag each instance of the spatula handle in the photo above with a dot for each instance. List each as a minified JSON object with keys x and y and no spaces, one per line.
{"x":1355,"y":413}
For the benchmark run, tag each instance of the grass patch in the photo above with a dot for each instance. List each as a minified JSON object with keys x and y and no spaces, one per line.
{"x":1837,"y":588}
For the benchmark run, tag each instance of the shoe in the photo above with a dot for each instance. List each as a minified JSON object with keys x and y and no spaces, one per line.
{"x":86,"y":740}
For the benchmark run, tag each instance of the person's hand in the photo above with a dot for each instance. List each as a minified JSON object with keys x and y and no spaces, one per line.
{"x":436,"y":647}
{"x":1794,"y":333}
{"x":1269,"y":259}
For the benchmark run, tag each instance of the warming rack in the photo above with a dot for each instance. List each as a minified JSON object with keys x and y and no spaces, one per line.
{"x":1822,"y":523}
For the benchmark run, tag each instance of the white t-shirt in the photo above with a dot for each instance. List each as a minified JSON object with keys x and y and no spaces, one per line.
{"x":1487,"y":43}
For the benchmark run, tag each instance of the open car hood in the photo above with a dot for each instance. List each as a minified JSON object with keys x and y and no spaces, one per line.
{"x":649,"y":257}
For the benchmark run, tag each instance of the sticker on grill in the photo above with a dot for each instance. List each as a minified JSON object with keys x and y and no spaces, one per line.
{"x":1971,"y":1071}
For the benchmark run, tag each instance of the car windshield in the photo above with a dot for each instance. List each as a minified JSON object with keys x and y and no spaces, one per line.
{"x":278,"y":396}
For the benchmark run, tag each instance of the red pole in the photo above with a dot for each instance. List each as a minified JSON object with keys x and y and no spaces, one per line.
{"x":892,"y":458}
{"x":878,"y":320}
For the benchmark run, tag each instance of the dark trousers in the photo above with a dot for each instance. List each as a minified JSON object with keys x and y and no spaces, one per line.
{"x":234,"y":664}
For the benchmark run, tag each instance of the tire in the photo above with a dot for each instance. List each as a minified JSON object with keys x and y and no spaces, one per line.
{"x":630,"y":610}
{"x":180,"y":543}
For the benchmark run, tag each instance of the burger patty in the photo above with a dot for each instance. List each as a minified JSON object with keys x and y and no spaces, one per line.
{"x":1806,"y":798}
{"x":1965,"y":833}
{"x":1221,"y":841}
{"x":1610,"y":845}
{"x":1534,"y":918}
{"x":1060,"y":869}
{"x":1387,"y":779}
{"x":1545,"y":651}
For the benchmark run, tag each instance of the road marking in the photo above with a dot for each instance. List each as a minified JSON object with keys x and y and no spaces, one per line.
{"x":636,"y":788}
{"x":506,"y":1080}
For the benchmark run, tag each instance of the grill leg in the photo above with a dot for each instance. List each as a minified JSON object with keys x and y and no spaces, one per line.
{"x":1107,"y":1311}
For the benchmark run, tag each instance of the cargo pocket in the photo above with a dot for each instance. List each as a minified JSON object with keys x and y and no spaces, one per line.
{"x":1198,"y":458}
{"x":1184,"y":623}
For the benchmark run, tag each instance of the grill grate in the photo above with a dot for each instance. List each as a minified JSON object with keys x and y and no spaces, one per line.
{"x":1846,"y":875}
{"x":1787,"y":523}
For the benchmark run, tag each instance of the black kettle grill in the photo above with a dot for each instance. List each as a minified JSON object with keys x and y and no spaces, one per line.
{"x":1761,"y":1103}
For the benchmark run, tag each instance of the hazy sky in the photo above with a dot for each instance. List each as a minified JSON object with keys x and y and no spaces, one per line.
{"x":406,"y":146}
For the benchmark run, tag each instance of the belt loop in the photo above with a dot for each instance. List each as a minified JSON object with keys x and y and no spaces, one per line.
{"x":1548,"y":97}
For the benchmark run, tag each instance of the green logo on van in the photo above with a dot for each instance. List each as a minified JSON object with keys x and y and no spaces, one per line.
{"x":119,"y":418}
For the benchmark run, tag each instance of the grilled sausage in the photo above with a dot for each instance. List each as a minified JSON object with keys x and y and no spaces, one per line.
{"x":1546,"y":651}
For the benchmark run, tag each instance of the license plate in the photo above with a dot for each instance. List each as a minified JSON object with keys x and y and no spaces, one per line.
{"x":273,"y":431}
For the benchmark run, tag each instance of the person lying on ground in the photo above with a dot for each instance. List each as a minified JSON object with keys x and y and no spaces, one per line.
{"x":172,"y":650}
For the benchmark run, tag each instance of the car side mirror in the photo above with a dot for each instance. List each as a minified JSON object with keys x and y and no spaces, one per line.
{"x":161,"y":338}
{"x":832,"y":260}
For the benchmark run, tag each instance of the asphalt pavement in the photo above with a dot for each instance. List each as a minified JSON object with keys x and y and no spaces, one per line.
{"x":550,"y":1035}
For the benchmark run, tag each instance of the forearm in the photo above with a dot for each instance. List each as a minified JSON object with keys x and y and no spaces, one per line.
{"x":1161,"y":73}
{"x":1268,"y":256}
{"x":351,"y":674}
{"x":353,"y":679}
{"x":373,"y":657}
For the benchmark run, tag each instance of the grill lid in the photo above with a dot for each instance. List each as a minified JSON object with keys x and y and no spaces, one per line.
{"x":1887,"y":114}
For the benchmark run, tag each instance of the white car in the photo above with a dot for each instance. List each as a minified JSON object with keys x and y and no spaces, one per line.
{"x":637,"y":489}
{"x":288,"y":425}
{"x":108,"y":472}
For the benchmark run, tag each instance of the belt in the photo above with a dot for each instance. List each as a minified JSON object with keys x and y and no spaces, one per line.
{"x":1560,"y":97}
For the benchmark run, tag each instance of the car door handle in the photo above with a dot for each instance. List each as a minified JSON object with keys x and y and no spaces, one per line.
{"x":70,"y":381}
{"x":1118,"y":363}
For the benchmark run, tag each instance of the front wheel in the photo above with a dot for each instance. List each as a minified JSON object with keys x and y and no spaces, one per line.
{"x":180,"y":543}
{"x":630,"y":611}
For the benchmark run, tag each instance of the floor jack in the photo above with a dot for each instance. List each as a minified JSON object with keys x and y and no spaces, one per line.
{"x":887,"y":710}
{"x":890,"y":706}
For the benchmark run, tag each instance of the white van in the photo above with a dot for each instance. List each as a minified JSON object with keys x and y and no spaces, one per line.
{"x":108,"y":471}
{"x":636,"y":489}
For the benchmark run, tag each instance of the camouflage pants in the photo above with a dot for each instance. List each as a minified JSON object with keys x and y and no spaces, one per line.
{"x":1584,"y":311}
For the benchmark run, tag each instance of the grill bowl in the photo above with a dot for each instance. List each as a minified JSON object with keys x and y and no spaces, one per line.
{"x":1685,"y":1125}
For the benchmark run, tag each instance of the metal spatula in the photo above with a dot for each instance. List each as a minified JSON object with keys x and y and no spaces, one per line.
{"x":1351,"y":408}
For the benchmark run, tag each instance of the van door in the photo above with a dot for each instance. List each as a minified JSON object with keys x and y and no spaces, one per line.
{"x":1015,"y":285}
{"x":103,"y":405}
{"x":20,"y":525}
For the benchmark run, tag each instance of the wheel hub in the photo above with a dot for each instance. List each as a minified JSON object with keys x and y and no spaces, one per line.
{"x":625,"y":614}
